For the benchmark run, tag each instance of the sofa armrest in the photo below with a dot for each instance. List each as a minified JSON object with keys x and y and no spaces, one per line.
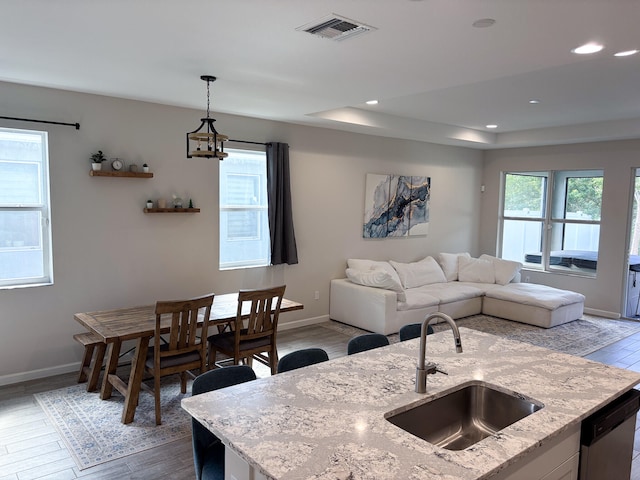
{"x":368,"y":308}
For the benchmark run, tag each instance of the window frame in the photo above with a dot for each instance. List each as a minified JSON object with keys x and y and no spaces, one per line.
{"x":261,"y":208}
{"x":43,"y":207}
{"x":554,"y":198}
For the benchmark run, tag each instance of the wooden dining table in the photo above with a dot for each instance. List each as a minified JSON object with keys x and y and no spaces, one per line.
{"x":138,"y":324}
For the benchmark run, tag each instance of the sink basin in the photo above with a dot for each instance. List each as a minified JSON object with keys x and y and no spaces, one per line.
{"x":465,"y":416}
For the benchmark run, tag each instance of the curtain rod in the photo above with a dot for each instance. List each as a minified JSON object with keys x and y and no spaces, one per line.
{"x":252,"y":143}
{"x":77,"y":125}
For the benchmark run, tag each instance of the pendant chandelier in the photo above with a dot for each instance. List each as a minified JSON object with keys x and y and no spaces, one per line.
{"x":207,"y":144}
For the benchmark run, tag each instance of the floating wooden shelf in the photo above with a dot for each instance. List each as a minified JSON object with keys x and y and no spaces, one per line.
{"x":171,"y":210}
{"x":103,"y":173}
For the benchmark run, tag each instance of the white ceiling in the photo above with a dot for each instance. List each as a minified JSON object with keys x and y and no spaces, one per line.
{"x":437,"y":77}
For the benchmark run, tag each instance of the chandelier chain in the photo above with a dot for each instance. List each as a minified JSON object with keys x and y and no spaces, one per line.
{"x":208,"y":95}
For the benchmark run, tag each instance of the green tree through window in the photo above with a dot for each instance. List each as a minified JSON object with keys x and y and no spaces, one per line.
{"x":584,"y":195}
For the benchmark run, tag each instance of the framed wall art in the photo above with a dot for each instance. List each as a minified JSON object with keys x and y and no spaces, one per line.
{"x":396,"y":206}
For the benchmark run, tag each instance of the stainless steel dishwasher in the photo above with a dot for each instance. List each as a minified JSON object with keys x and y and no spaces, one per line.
{"x":606,"y":440}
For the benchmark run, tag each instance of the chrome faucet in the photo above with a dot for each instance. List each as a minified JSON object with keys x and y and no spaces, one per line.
{"x":423,"y":370}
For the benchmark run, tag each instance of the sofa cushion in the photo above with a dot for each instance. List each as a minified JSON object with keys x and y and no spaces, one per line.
{"x":417,"y":298}
{"x":377,"y":278}
{"x":505,"y":270}
{"x":484,"y":287}
{"x":447,"y":292}
{"x":476,"y":270}
{"x":416,"y":274}
{"x":535,"y":295}
{"x":449,"y":264}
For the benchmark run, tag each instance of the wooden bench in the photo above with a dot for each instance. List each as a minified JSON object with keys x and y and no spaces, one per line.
{"x":89,"y":371}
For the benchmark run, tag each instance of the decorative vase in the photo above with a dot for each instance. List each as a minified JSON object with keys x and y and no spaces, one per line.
{"x":145,"y":169}
{"x":149,"y":204}
{"x":96,"y":166}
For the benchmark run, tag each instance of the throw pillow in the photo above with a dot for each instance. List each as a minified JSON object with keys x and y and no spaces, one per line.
{"x":377,"y":278}
{"x":449,"y":264}
{"x":505,"y":270}
{"x":416,"y":274}
{"x":360,"y":263}
{"x":476,"y":270}
{"x":363,"y":264}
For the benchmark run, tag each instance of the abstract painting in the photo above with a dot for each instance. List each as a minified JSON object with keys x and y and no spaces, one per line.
{"x":396,"y":206}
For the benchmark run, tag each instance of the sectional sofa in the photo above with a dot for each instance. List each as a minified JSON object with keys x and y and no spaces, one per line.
{"x":381,"y":296}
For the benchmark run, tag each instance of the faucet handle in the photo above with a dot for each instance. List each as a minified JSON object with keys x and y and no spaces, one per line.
{"x":433,"y":368}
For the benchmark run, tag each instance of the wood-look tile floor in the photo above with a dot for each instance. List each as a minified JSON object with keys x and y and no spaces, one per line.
{"x":30,"y":448}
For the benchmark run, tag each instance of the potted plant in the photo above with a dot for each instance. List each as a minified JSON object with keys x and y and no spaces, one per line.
{"x":145,"y":168}
{"x":97,"y":159}
{"x":149,"y":203}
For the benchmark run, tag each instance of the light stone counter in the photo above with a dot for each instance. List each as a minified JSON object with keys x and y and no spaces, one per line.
{"x":327,"y":421}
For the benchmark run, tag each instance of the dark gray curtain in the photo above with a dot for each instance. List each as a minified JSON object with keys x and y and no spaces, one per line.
{"x":283,"y":239}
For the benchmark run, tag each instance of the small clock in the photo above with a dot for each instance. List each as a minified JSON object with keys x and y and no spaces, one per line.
{"x":117,"y":164}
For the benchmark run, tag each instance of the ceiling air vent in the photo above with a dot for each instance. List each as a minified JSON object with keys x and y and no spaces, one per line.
{"x":335,"y":27}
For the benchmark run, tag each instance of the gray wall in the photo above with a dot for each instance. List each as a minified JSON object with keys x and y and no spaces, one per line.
{"x":107,"y":253}
{"x":618,"y":160}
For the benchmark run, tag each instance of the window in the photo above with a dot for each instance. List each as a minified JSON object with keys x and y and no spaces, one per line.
{"x":551,"y":220}
{"x":25,"y":238}
{"x":244,"y":223}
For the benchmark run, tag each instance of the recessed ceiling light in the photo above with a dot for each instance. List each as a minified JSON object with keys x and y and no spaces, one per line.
{"x":626,"y":53}
{"x":372,"y":102}
{"x":588,"y":48}
{"x":491,"y":125}
{"x":484,"y":23}
{"x":533,"y":101}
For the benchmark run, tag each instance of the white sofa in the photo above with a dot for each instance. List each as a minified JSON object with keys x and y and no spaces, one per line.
{"x":383,"y":296}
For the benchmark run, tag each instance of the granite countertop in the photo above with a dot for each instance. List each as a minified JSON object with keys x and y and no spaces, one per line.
{"x":327,"y":421}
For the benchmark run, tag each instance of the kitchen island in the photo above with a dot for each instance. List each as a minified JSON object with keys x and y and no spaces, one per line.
{"x":328,"y":421}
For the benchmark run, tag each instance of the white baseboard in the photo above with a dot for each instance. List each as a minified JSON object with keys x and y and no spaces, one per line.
{"x":40,"y":373}
{"x":75,"y":367}
{"x":303,"y":323}
{"x":601,"y":313}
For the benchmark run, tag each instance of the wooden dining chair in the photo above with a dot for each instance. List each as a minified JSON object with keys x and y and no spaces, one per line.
{"x":253,"y":334}
{"x":184,"y":349}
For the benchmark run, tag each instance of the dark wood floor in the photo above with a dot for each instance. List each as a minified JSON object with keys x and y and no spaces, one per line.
{"x":30,"y":448}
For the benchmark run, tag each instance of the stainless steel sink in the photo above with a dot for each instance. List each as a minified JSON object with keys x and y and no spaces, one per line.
{"x":465,"y":416}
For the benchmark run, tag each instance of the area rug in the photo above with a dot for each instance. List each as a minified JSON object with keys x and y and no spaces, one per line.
{"x":580,"y":337}
{"x":91,"y":428}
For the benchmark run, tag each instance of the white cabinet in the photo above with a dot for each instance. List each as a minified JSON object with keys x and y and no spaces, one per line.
{"x":236,"y":468}
{"x":567,"y":471}
{"x":557,"y":459}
